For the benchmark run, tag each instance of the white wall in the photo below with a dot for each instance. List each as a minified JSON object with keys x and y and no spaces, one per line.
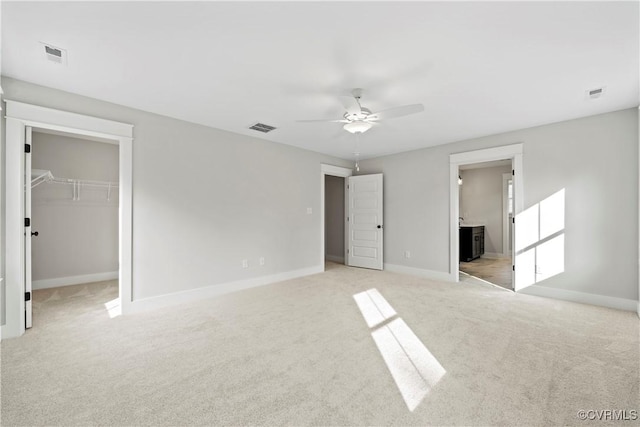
{"x":76,"y":238}
{"x":2,"y":209}
{"x":595,"y":159}
{"x":205,"y":199}
{"x":334,"y":218}
{"x":481,"y":203}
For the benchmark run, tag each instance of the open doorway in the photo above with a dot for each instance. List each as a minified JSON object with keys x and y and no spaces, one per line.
{"x":362,"y":217}
{"x":334,"y":224}
{"x":486,"y":208}
{"x":20,"y":118}
{"x":458,"y":162}
{"x":74,"y":225}
{"x":333,"y":212}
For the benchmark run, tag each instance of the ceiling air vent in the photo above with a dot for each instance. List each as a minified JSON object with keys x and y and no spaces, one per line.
{"x":596,"y":93}
{"x":261,"y":127}
{"x":55,"y":54}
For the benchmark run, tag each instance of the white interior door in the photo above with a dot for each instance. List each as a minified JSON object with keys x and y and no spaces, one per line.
{"x":27,"y":229}
{"x":365,"y":221}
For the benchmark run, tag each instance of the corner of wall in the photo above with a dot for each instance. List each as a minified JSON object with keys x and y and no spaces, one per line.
{"x":419,"y":272}
{"x":212,"y":291}
{"x":581,"y":297}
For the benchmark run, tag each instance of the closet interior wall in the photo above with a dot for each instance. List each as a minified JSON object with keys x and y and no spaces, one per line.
{"x":75,"y":215}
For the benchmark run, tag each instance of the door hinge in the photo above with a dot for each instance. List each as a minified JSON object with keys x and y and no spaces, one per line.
{"x":27,"y":222}
{"x":513,"y":220}
{"x":513,"y":172}
{"x":27,"y":148}
{"x":513,"y":267}
{"x":27,"y":296}
{"x":347,"y":186}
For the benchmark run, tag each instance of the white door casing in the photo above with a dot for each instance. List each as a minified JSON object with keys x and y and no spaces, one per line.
{"x":365,"y":225}
{"x":513,"y":152}
{"x":345,"y":173}
{"x":20,"y":115}
{"x":507,"y":214}
{"x":28,"y":318}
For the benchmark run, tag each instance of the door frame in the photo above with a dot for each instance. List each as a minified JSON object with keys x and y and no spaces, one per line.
{"x":505,"y":213}
{"x":28,"y":213}
{"x":19,"y":116}
{"x":340,"y":172}
{"x":513,"y":152}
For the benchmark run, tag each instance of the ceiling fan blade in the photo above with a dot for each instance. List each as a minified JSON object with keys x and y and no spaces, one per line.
{"x":323,"y":121}
{"x":350,"y":104}
{"x":391,"y":113}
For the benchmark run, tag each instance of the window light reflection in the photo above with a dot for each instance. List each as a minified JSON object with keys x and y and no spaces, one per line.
{"x":540,"y":241}
{"x":413,"y":368}
{"x":374,"y":308}
{"x":113,"y":308}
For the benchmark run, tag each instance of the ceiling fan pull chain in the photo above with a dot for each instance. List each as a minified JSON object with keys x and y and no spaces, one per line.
{"x":357,"y":152}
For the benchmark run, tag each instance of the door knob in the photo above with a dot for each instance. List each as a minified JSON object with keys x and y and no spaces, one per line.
{"x":34,"y":233}
{"x":379,"y":226}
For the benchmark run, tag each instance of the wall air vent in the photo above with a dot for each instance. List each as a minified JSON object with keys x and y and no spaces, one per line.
{"x":596,"y":93}
{"x":55,"y":54}
{"x":261,"y":127}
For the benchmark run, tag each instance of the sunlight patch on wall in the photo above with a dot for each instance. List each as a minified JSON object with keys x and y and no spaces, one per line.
{"x":550,"y":258}
{"x":540,"y":241}
{"x":527,"y":231}
{"x":413,"y":368}
{"x":552,"y":215}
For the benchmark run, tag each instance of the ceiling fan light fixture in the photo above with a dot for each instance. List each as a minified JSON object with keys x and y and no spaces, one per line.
{"x":357,"y":127}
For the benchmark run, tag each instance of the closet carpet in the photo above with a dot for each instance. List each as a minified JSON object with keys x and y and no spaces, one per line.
{"x":404,"y":351}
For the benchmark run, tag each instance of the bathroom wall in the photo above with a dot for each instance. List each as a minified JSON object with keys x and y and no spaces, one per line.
{"x":481,"y":203}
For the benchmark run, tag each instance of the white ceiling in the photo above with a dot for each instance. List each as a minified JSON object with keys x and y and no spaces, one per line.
{"x":479,"y":68}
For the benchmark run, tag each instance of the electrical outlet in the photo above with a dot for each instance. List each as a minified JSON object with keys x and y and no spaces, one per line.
{"x":261,"y":260}
{"x":407,"y":254}
{"x":245,"y":263}
{"x":309,"y":211}
{"x":538,"y":269}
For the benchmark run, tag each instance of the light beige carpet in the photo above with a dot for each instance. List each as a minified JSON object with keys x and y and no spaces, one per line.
{"x":301,"y":353}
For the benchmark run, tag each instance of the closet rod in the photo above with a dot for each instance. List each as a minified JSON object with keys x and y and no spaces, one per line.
{"x":38,"y":176}
{"x":84,"y":182}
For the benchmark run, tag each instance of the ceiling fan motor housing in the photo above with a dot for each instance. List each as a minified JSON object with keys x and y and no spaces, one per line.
{"x":363,"y":114}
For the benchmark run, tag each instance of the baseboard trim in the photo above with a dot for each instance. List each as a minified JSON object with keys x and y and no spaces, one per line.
{"x":419,"y":272}
{"x":581,"y":297}
{"x":494,"y":255}
{"x":197,"y":294}
{"x":73,"y":280}
{"x":334,"y":258}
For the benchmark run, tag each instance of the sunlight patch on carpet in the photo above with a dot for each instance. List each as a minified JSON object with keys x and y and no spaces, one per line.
{"x":413,"y":368}
{"x":114,"y":308}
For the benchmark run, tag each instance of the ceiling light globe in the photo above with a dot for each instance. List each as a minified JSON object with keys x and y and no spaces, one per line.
{"x":357,"y":127}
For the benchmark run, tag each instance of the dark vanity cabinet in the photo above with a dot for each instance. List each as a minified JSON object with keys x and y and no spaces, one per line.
{"x":471,"y":242}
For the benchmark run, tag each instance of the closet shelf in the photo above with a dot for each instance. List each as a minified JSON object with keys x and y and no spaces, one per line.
{"x":38,"y":176}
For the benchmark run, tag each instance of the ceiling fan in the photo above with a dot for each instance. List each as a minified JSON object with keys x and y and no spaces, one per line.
{"x":358,"y":119}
